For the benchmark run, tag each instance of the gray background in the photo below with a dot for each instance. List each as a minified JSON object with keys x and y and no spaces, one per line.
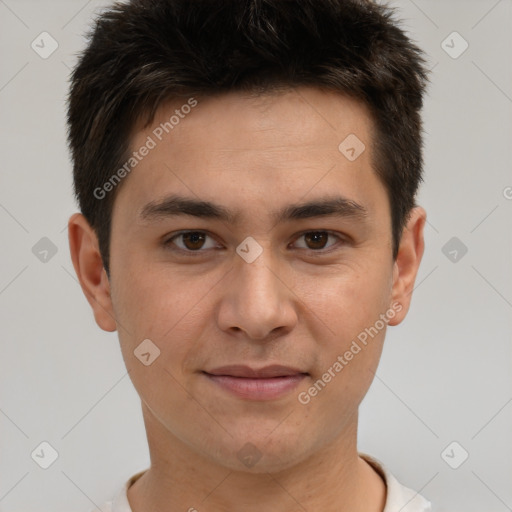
{"x":445,"y":373}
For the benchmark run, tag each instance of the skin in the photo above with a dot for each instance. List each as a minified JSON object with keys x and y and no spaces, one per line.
{"x":300,"y":303}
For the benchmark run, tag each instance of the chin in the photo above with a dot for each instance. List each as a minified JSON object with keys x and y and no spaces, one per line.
{"x":253,"y":453}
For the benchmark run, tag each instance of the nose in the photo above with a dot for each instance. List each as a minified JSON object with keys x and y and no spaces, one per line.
{"x":257,"y":300}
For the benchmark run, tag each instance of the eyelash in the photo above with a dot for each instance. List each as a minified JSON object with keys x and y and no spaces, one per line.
{"x":167,"y":244}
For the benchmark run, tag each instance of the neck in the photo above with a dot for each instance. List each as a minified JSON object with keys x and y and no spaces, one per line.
{"x":334,"y":479}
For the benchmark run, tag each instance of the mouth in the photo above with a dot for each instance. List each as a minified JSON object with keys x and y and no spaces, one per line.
{"x":270,"y":382}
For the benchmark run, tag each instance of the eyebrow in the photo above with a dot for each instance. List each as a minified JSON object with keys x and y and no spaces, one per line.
{"x":176,"y":205}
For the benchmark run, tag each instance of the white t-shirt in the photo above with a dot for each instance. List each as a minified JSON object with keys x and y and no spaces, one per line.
{"x":398,"y":499}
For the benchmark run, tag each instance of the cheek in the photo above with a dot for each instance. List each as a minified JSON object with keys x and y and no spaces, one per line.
{"x":348,"y":299}
{"x":152,"y":308}
{"x":165,"y":308}
{"x":149,"y":300}
{"x":345,"y":311}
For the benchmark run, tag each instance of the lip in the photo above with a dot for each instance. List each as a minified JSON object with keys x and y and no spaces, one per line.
{"x":267,"y":383}
{"x":239,"y":370}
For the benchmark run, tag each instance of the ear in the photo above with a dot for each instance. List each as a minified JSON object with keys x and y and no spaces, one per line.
{"x":405,"y":267}
{"x":84,"y":248}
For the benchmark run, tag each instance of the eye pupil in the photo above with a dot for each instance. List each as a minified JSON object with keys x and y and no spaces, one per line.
{"x":195,"y":240}
{"x":194,"y":237}
{"x":318,"y":238}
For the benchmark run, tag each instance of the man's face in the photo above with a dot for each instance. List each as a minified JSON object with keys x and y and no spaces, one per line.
{"x":317,"y":284}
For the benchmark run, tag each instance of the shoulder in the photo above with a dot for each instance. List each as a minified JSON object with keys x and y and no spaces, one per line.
{"x":120,"y":502}
{"x":398,"y":497}
{"x":106,"y":507}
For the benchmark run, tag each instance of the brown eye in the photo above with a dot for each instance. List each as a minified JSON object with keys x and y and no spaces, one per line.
{"x":191,"y":241}
{"x":316,"y":239}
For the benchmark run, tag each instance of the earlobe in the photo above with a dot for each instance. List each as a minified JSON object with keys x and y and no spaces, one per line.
{"x":86,"y":257}
{"x":407,"y":262}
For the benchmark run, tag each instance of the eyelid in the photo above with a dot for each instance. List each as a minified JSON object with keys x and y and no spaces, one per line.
{"x":169,"y":240}
{"x":341,"y":239}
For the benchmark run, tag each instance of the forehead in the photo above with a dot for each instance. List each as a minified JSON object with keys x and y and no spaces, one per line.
{"x":268,"y":147}
{"x":320,"y":112}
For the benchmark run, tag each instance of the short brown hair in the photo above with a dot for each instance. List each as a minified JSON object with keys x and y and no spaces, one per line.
{"x":144,"y":52}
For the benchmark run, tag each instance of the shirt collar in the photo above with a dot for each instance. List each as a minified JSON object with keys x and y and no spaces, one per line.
{"x":398,"y":497}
